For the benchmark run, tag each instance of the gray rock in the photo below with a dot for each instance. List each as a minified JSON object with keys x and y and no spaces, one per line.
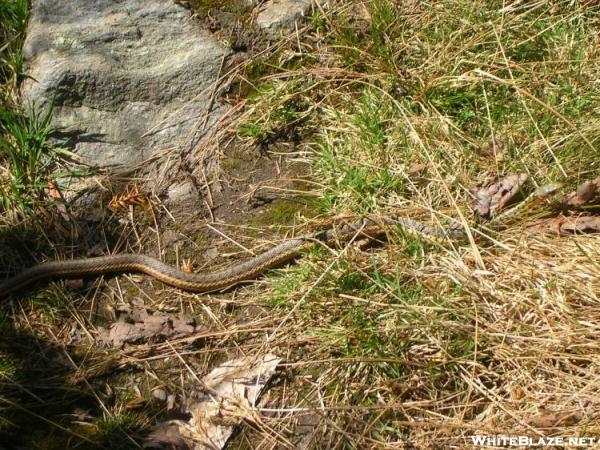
{"x":183,"y":199}
{"x":281,"y":15}
{"x":131,"y":79}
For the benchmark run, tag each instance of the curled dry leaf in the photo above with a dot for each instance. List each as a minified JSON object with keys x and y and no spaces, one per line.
{"x":139,"y":324}
{"x":586,"y":193}
{"x":230,"y":391}
{"x":495,"y":193}
{"x":563,"y":226}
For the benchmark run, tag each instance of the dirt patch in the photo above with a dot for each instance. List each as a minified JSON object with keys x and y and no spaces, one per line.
{"x":257,"y":186}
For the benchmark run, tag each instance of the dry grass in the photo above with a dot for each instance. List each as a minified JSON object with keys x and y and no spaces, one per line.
{"x":411,"y":344}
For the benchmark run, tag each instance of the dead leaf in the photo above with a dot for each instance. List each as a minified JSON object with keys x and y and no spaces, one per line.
{"x":552,"y":419}
{"x":53,"y":190}
{"x":139,"y":324}
{"x":57,"y":197}
{"x":564,"y":226}
{"x":586,"y":192}
{"x":495,"y":193}
{"x":417,"y":169}
{"x":229,"y":394}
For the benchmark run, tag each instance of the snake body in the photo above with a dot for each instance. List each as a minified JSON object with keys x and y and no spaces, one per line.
{"x":198,"y":282}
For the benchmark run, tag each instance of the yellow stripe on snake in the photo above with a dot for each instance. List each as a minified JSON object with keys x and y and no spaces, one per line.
{"x":196,"y":282}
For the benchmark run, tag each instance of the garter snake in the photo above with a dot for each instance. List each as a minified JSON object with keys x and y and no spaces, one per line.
{"x":197,"y":282}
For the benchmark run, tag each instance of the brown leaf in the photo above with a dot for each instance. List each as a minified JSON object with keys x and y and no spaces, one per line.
{"x":564,"y":226}
{"x":495,"y":193}
{"x":586,"y":192}
{"x":54,"y":190}
{"x":551,"y":419}
{"x":139,"y":324}
{"x":417,"y":169}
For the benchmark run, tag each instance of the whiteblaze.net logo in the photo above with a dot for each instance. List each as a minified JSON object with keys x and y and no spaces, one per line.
{"x":528,"y":441}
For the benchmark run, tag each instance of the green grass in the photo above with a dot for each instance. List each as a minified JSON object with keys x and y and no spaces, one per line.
{"x":28,"y":161}
{"x":29,"y":158}
{"x":13,"y":20}
{"x":458,"y":80}
{"x":237,"y":8}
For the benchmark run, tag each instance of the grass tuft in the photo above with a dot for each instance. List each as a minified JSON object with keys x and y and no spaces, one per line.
{"x":29,"y":158}
{"x":13,"y":21}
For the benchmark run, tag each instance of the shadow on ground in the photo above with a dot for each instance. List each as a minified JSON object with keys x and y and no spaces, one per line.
{"x":41,"y":406}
